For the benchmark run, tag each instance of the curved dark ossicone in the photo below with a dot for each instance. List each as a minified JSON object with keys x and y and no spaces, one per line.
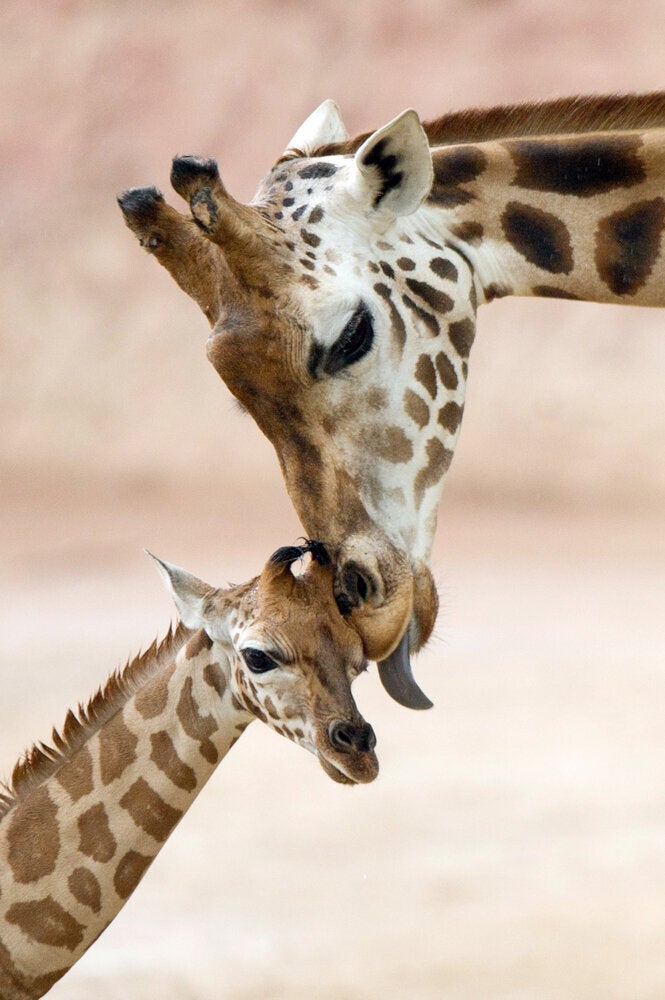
{"x":398,"y":680}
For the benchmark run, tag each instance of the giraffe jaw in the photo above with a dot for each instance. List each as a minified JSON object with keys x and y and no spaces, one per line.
{"x":361,"y":776}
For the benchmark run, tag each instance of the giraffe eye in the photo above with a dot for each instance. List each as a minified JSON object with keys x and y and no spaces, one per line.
{"x":258,"y":661}
{"x":354,"y":342}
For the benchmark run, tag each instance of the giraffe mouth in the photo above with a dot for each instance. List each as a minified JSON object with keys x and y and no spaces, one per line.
{"x":334,"y":772}
{"x":361,"y":771}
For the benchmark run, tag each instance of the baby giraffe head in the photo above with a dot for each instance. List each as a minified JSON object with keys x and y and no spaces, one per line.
{"x":288,"y":654}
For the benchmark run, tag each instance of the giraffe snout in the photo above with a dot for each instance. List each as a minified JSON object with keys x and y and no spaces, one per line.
{"x":350,"y":737}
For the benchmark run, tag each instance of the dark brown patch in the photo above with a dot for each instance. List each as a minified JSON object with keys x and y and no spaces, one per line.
{"x":199,"y":641}
{"x":416,"y":407}
{"x":165,"y":757}
{"x":396,"y":322}
{"x":199,"y":727}
{"x":450,"y":416}
{"x":552,"y":292}
{"x":453,"y":166}
{"x":85,"y":888}
{"x":495,"y":291}
{"x":271,"y":708}
{"x":95,"y":838}
{"x":117,"y":748}
{"x":47,"y":922}
{"x":579,"y":165}
{"x":75,"y":775}
{"x":32,"y":837}
{"x":316,"y":170}
{"x":309,"y":280}
{"x":390,"y":443}
{"x":315,"y":215}
{"x":130,"y":871}
{"x":461,"y":336}
{"x":426,"y":374}
{"x":628,"y":244}
{"x":470,"y":232}
{"x":540,"y":237}
{"x":430,"y":321}
{"x":435,"y":299}
{"x":446,"y":370}
{"x":406,"y":264}
{"x":149,"y":810}
{"x":438,"y":463}
{"x":151,"y":699}
{"x":387,"y":269}
{"x":311,"y":239}
{"x":215,"y":677}
{"x":444,"y":268}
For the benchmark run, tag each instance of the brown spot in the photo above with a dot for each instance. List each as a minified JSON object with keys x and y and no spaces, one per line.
{"x":75,"y":775}
{"x":495,"y":291}
{"x":469,"y":232}
{"x":165,"y":756}
{"x":435,"y":299}
{"x":117,"y":748}
{"x":438,"y":463}
{"x":129,"y":873}
{"x":454,"y":166}
{"x":579,"y":165}
{"x":199,"y":727}
{"x":391,"y":444}
{"x":85,"y":888}
{"x":199,"y":641}
{"x":628,"y":244}
{"x":311,"y":239}
{"x":95,"y":838}
{"x":450,"y":416}
{"x":150,"y":701}
{"x":215,"y":677}
{"x":430,"y":321}
{"x":149,"y":810}
{"x":443,"y":268}
{"x":47,"y":922}
{"x":374,"y":268}
{"x":446,"y":370}
{"x":13,"y":984}
{"x":426,"y":374}
{"x":32,"y":837}
{"x":271,"y":708}
{"x":461,"y":336}
{"x":309,"y":280}
{"x":315,"y":215}
{"x":552,"y":292}
{"x":396,"y":321}
{"x":539,"y":237}
{"x":416,"y":407}
{"x":406,"y":264}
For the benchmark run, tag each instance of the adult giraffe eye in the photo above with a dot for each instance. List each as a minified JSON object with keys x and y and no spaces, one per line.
{"x":354,"y":342}
{"x":258,"y":661}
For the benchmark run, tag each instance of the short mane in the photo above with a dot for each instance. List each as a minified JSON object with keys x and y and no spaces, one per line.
{"x":40,"y":762}
{"x":560,"y":116}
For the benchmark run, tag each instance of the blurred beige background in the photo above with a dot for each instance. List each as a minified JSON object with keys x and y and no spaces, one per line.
{"x":513,"y":847}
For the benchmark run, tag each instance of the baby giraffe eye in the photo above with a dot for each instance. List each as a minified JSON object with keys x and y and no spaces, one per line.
{"x":258,"y":661}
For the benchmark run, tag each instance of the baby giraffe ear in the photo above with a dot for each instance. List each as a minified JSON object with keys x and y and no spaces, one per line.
{"x":187,"y":591}
{"x":323,"y":126}
{"x":393,"y":168}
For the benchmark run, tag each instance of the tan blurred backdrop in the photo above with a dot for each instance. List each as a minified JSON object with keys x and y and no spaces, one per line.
{"x":514,"y":844}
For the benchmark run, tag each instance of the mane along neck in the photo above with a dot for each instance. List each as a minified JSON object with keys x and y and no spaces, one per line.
{"x":559,"y":116}
{"x":41,"y":761}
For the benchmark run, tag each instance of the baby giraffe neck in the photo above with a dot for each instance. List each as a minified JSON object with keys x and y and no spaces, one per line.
{"x":82,"y":829}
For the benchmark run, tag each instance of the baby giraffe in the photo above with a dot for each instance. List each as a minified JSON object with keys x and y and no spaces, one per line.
{"x":84,"y":819}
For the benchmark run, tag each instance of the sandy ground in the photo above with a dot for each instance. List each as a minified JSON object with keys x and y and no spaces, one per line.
{"x":513,"y":846}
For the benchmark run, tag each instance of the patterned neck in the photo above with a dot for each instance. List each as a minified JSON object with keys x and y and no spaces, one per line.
{"x":82,"y":827}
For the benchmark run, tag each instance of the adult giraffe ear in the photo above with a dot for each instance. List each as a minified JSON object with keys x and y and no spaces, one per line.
{"x":197,"y":603}
{"x":323,"y":126}
{"x":393,"y":167}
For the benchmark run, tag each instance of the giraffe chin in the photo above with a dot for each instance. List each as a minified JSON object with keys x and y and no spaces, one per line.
{"x":363,"y":776}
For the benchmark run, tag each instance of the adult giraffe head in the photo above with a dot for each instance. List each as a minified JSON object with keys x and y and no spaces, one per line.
{"x":342,"y":323}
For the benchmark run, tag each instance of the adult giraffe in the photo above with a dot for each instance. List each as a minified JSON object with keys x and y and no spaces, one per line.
{"x":343,"y":303}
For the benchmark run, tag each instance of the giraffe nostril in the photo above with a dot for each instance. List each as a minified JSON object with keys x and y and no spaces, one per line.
{"x":348,"y":737}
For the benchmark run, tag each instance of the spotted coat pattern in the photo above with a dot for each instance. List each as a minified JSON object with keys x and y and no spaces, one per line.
{"x":85,"y":820}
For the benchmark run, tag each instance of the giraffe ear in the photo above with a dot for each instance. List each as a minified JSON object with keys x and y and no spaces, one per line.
{"x":393,"y":168}
{"x":323,"y":126}
{"x":188,"y":592}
